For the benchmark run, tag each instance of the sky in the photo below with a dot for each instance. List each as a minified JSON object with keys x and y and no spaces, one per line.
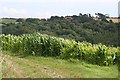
{"x":48,"y":8}
{"x":119,"y":8}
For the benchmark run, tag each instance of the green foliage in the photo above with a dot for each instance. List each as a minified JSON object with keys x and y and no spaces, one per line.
{"x":79,"y":28}
{"x":44,"y":45}
{"x":20,"y":20}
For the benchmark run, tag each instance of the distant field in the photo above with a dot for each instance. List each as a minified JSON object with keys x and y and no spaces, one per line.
{"x":115,"y":20}
{"x":7,"y":20}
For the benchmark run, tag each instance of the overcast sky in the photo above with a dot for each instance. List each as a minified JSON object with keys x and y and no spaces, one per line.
{"x":47,"y":8}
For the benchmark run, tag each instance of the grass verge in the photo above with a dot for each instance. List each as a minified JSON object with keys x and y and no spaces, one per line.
{"x":50,"y":67}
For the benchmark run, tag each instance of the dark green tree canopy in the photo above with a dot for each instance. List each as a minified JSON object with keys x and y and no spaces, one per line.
{"x":82,"y":27}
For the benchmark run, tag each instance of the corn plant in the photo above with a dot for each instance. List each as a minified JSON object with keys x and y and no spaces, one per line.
{"x":44,"y":45}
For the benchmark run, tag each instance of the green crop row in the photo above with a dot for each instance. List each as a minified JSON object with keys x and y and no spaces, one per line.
{"x":44,"y":45}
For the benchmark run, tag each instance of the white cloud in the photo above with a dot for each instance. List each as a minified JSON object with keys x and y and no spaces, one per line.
{"x":11,"y":1}
{"x":57,"y":1}
{"x":12,"y":12}
{"x":54,"y":7}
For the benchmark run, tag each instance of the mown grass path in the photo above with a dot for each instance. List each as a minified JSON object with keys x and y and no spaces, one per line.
{"x":12,"y":68}
{"x":49,"y":67}
{"x":1,"y":61}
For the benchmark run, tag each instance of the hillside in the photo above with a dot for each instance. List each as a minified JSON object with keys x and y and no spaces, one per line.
{"x":80,"y":28}
{"x":42,"y":56}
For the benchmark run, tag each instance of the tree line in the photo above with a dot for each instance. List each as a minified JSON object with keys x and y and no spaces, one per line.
{"x":82,"y":27}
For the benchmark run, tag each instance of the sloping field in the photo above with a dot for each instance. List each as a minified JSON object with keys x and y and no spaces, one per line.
{"x":115,"y":20}
{"x":47,"y":67}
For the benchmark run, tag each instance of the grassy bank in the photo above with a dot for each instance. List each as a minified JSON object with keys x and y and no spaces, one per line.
{"x":51,"y":67}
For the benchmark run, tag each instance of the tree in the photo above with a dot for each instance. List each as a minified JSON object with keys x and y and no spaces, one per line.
{"x":107,"y":15}
{"x":33,"y":20}
{"x":20,"y":20}
{"x":104,"y":20}
{"x":80,"y":14}
{"x":110,"y":21}
{"x":100,"y":15}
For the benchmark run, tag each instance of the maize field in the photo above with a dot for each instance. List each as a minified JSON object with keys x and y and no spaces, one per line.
{"x":44,"y":45}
